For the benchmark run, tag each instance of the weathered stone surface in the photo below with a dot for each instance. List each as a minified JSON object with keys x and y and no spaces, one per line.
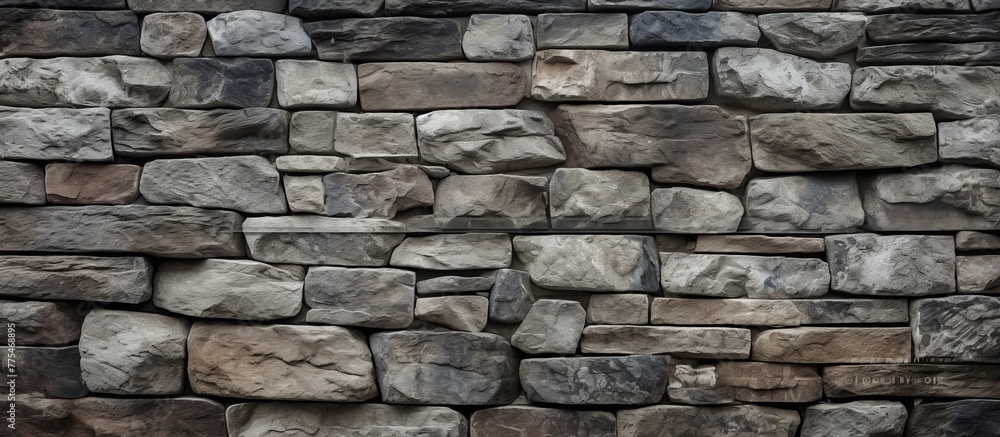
{"x":691,"y":211}
{"x":597,"y":75}
{"x":876,"y":6}
{"x":820,"y":142}
{"x":683,"y":5}
{"x":227,"y":289}
{"x":305,"y":194}
{"x":243,"y":183}
{"x":49,"y":371}
{"x":901,"y":28}
{"x":618,"y":309}
{"x":581,"y":198}
{"x":221,"y":83}
{"x":972,"y":240}
{"x":55,"y":134}
{"x":111,"y":82}
{"x":688,"y":421}
{"x":974,"y":53}
{"x":985,"y":5}
{"x":333,"y":8}
{"x":833,"y":345}
{"x":202,"y":7}
{"x":40,"y":323}
{"x":421,"y":367}
{"x":971,"y":141}
{"x":21,"y":182}
{"x":87,"y":184}
{"x":460,"y":7}
{"x":772,"y":5}
{"x":758,"y":244}
{"x":491,"y":37}
{"x":482,"y":141}
{"x":510,"y":297}
{"x":416,"y":86}
{"x":582,"y":31}
{"x":697,"y":383}
{"x":820,"y":36}
{"x":551,"y":327}
{"x":590,"y":262}
{"x":759,"y":277}
{"x":65,"y":4}
{"x":180,"y":132}
{"x":131,"y":353}
{"x":631,"y":380}
{"x":769,"y":80}
{"x":768,"y":312}
{"x":369,"y":298}
{"x":460,"y":313}
{"x":828,"y":202}
{"x":953,"y":197}
{"x":381,"y":135}
{"x":456,"y":284}
{"x":859,"y":418}
{"x":685,"y":30}
{"x":948,"y":91}
{"x":454,"y":252}
{"x":387,"y":39}
{"x":520,"y":420}
{"x":377,"y":194}
{"x":698,"y":145}
{"x":310,"y":164}
{"x":322,"y":240}
{"x":258,"y":33}
{"x":959,"y":418}
{"x":49,"y":32}
{"x":173,"y":35}
{"x":956,"y":329}
{"x":190,"y":416}
{"x":491,"y":202}
{"x":173,"y":232}
{"x":268,"y":418}
{"x":891,"y":265}
{"x":87,"y":278}
{"x":721,"y":343}
{"x":288,"y":362}
{"x":978,"y":274}
{"x":311,"y":132}
{"x":303,"y":84}
{"x":913,"y":380}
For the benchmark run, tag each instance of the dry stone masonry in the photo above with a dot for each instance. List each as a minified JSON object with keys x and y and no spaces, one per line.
{"x":500,"y":218}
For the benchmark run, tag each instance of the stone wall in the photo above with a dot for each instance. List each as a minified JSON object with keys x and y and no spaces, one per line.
{"x":493,"y":218}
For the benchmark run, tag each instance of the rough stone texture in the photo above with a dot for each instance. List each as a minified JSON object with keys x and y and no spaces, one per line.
{"x":185,"y":415}
{"x":590,"y":262}
{"x":221,"y":83}
{"x":460,"y":313}
{"x":482,"y":141}
{"x":721,"y":343}
{"x":387,"y":39}
{"x":89,"y":278}
{"x":820,"y":36}
{"x":820,"y":142}
{"x":510,"y":297}
{"x":691,"y":211}
{"x":41,"y":323}
{"x":270,"y":418}
{"x":697,"y":383}
{"x":891,"y":265}
{"x":985,"y":5}
{"x":311,"y":132}
{"x":88,"y":184}
{"x":521,"y":420}
{"x":970,"y":141}
{"x":972,"y":240}
{"x":369,"y":298}
{"x":698,"y":145}
{"x":380,"y":194}
{"x":322,"y":240}
{"x":420,"y":367}
{"x":173,"y":232}
{"x":305,"y":193}
{"x":551,"y":326}
{"x":456,"y":284}
{"x":688,"y":421}
{"x":581,"y":198}
{"x":859,"y":418}
{"x":316,"y":84}
{"x":758,"y":244}
{"x":597,"y":75}
{"x":948,"y":91}
{"x":768,"y":312}
{"x":49,"y":371}
{"x":833,"y":345}
{"x":975,"y":53}
{"x":173,"y":35}
{"x":55,"y":134}
{"x":978,"y":274}
{"x":803,"y":204}
{"x":453,"y":7}
{"x":65,"y":4}
{"x":631,"y":380}
{"x":912,"y":380}
{"x":693,"y":31}
{"x":310,"y":164}
{"x":618,"y":309}
{"x":490,"y":37}
{"x":769,"y":80}
{"x":112,"y":82}
{"x":21,"y":182}
{"x":258,"y":33}
{"x":244,"y":183}
{"x":491,"y":202}
{"x":181,"y":132}
{"x":47,"y":32}
{"x":582,"y":31}
{"x":416,"y":86}
{"x":683,"y":5}
{"x":953,"y":197}
{"x":131,"y":353}
{"x":454,"y":252}
{"x":390,"y":136}
{"x":333,"y":8}
{"x":202,"y":7}
{"x":876,"y":6}
{"x":959,"y":418}
{"x":759,"y":277}
{"x":956,"y":329}
{"x":902,"y":28}
{"x":284,"y":362}
{"x":227,"y":289}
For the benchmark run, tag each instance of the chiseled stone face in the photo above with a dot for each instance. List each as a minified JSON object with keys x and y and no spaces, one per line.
{"x":813,"y":35}
{"x":974,"y":141}
{"x":891,"y":265}
{"x":112,"y":82}
{"x":590,"y":262}
{"x":264,"y":418}
{"x":50,"y":32}
{"x":91,"y":278}
{"x":582,"y":31}
{"x":496,"y":201}
{"x":258,"y":33}
{"x":510,"y":297}
{"x":312,"y":240}
{"x":618,"y":309}
{"x":769,"y":80}
{"x":904,"y":28}
{"x":824,"y":202}
{"x":627,"y":380}
{"x":911,"y":380}
{"x":221,"y":83}
{"x":551,"y":326}
{"x":694,"y":342}
{"x":380,"y":194}
{"x":164,"y":132}
{"x":978,"y":274}
{"x":773,"y":312}
{"x":973,"y":53}
{"x":89,"y":184}
{"x":490,"y":37}
{"x":315,"y":84}
{"x":696,"y":382}
{"x":21,"y":182}
{"x":333,"y":9}
{"x":758,"y":244}
{"x":581,"y":198}
{"x":948,"y":91}
{"x":465,"y":7}
{"x":244,"y":183}
{"x":743,"y":275}
{"x":55,"y":134}
{"x":454,"y":252}
{"x":202,"y":7}
{"x":305,"y":193}
{"x":370,"y":298}
{"x":185,"y":415}
{"x":833,"y":345}
{"x":387,"y":39}
{"x":688,"y":210}
{"x":952,"y":197}
{"x":693,"y":31}
{"x":596,"y":75}
{"x":963,"y":417}
{"x":459,"y":313}
{"x":415,"y":86}
{"x":855,"y":418}
{"x":956,"y":329}
{"x":375,"y":135}
{"x":520,"y":420}
{"x":173,"y":34}
{"x":697,"y":421}
{"x":42,"y":323}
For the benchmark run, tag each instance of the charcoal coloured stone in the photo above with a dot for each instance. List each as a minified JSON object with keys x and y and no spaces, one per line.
{"x":686,"y":30}
{"x":50,"y":371}
{"x":985,"y":5}
{"x":244,"y":183}
{"x":911,"y":380}
{"x":112,"y":82}
{"x":203,"y":7}
{"x":903,"y":28}
{"x":258,"y":33}
{"x":948,"y":91}
{"x":758,"y":277}
{"x":973,"y":53}
{"x":380,"y":194}
{"x":590,"y":262}
{"x":65,"y":4}
{"x":970,"y":417}
{"x":492,"y":37}
{"x":681,"y":5}
{"x":90,"y":184}
{"x":581,"y":198}
{"x":828,"y":202}
{"x":162,"y":132}
{"x":461,"y":7}
{"x":693,"y":342}
{"x":582,"y":31}
{"x":884,"y":418}
{"x":387,"y":39}
{"x":311,"y":132}
{"x":185,"y":415}
{"x":891,"y":265}
{"x":688,"y":210}
{"x":510,"y":297}
{"x":41,"y":323}
{"x":333,"y":8}
{"x":415,"y":86}
{"x":49,"y":32}
{"x":880,"y":6}
{"x":820,"y":36}
{"x":264,"y":418}
{"x":952,"y":197}
{"x":769,"y":80}
{"x":55,"y":134}
{"x":315,"y":84}
{"x":630,"y":380}
{"x":833,"y":345}
{"x":972,"y":141}
{"x":690,"y":421}
{"x":597,"y":75}
{"x":491,"y":202}
{"x":173,"y":35}
{"x":370,"y":298}
{"x":700,"y":383}
{"x":221,"y":83}
{"x":956,"y":329}
{"x":520,"y":420}
{"x":21,"y":182}
{"x":313,"y":240}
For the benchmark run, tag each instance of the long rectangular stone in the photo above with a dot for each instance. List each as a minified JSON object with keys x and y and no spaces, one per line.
{"x":629,"y":380}
{"x":315,"y":240}
{"x":952,"y":197}
{"x":590,"y":262}
{"x":880,"y":6}
{"x":912,"y":380}
{"x":56,"y":134}
{"x":689,"y":421}
{"x":696,"y":382}
{"x":387,"y":39}
{"x":978,"y":274}
{"x":268,"y":418}
{"x":178,"y":132}
{"x":692,"y":342}
{"x":948,"y":91}
{"x":42,"y":323}
{"x":758,"y":277}
{"x":582,"y":31}
{"x":206,"y":7}
{"x":87,"y":278}
{"x":173,"y":232}
{"x":414,"y":86}
{"x":49,"y":32}
{"x":111,"y":82}
{"x":973,"y":53}
{"x":186,"y":415}
{"x":465,"y":7}
{"x":595,"y":75}
{"x":758,"y":244}
{"x":898,"y":28}
{"x":833,"y":345}
{"x":770,"y":312}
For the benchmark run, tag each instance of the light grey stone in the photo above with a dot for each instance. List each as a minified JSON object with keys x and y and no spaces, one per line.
{"x":855,"y":419}
{"x":305,"y":193}
{"x":465,"y":7}
{"x":387,"y":39}
{"x":582,"y":31}
{"x":978,"y":274}
{"x":21,"y":182}
{"x":758,"y":244}
{"x":380,"y":194}
{"x":459,"y":313}
{"x":769,"y":80}
{"x":973,"y":240}
{"x":772,"y":5}
{"x":551,"y":327}
{"x":227,"y":289}
{"x":369,"y":298}
{"x":590,"y":262}
{"x":266,"y":418}
{"x":772,"y":312}
{"x":454,"y":252}
{"x":173,"y":35}
{"x":456,"y":284}
{"x":51,"y":32}
{"x":520,"y":420}
{"x":824,"y":203}
{"x":258,"y":33}
{"x":184,"y":415}
{"x":597,"y":75}
{"x":674,"y":29}
{"x":881,"y":6}
{"x":110,"y":82}
{"x":56,"y":134}
{"x":758,"y":277}
{"x":687,"y":210}
{"x":42,"y":323}
{"x":491,"y":37}
{"x":491,"y":202}
{"x":581,"y":198}
{"x":691,"y":421}
{"x":618,"y":309}
{"x":817,"y":345}
{"x":315,"y":84}
{"x":892,"y":265}
{"x":630,"y":380}
{"x":417,"y":86}
{"x":693,"y":342}
{"x":510,"y":297}
{"x":956,"y":329}
{"x":815,"y":35}
{"x":683,"y":5}
{"x":125,"y":279}
{"x":322,"y":240}
{"x":948,"y":91}
{"x":952,"y":197}
{"x":975,"y":141}
{"x":310,"y":164}
{"x":221,"y":83}
{"x":243,"y":183}
{"x":376,"y":135}
{"x":333,"y":8}
{"x":311,"y":132}
{"x":161,"y":132}
{"x":202,"y":7}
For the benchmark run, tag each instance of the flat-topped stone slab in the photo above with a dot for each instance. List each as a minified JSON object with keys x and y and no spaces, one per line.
{"x":113,"y":82}
{"x":596,"y":75}
{"x":263,"y":418}
{"x":56,"y":134}
{"x":948,"y":91}
{"x":387,"y":39}
{"x":312,"y":240}
{"x":416,"y":86}
{"x":49,"y":32}
{"x":163,"y":132}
